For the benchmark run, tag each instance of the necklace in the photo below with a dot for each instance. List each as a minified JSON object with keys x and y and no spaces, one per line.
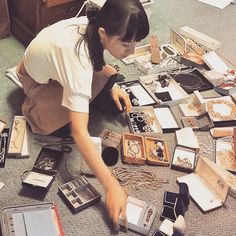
{"x":217,"y":115}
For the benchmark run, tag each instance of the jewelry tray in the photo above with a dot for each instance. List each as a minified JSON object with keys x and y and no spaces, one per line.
{"x":184,"y":159}
{"x":138,"y":94}
{"x":192,"y":80}
{"x":225,"y":154}
{"x":79,"y":194}
{"x":207,"y":187}
{"x":166,"y":118}
{"x":163,"y":94}
{"x":137,"y":149}
{"x":202,"y":122}
{"x":133,"y":149}
{"x":143,"y":121}
{"x":219,"y":115}
{"x":44,"y":169}
{"x":27,"y":220}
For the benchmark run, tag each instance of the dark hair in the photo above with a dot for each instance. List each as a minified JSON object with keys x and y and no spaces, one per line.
{"x":126,"y":18}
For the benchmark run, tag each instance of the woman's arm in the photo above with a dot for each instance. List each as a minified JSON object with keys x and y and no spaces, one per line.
{"x":115,"y":195}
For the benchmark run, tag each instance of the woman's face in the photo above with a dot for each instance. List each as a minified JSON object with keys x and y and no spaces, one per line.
{"x":116,"y":47}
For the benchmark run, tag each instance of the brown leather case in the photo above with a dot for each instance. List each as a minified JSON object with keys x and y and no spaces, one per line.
{"x":4,"y":19}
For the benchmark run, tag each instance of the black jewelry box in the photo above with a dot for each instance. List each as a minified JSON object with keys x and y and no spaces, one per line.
{"x":138,"y":94}
{"x":173,"y":206}
{"x":44,"y":169}
{"x":4,"y":141}
{"x":79,"y":194}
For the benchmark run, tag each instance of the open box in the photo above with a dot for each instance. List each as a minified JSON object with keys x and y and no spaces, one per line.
{"x":79,"y":194}
{"x":32,"y":220}
{"x":163,"y":88}
{"x":202,"y":122}
{"x":143,"y":121}
{"x":166,"y":118}
{"x":137,"y":149}
{"x":138,"y":94}
{"x":140,"y":215}
{"x":184,"y":159}
{"x":44,"y":169}
{"x":192,"y":80}
{"x":207,"y":188}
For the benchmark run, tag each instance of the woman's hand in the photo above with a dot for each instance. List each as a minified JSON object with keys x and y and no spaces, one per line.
{"x":121,"y":98}
{"x":116,"y":201}
{"x":109,"y":70}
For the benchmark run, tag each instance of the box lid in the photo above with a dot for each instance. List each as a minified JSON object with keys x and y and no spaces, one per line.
{"x":177,"y":41}
{"x":212,"y":179}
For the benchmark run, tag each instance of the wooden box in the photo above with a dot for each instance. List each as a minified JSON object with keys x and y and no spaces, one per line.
{"x":28,"y":17}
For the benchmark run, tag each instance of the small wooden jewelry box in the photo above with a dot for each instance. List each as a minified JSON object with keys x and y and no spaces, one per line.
{"x":133,"y":149}
{"x":207,"y":188}
{"x":157,"y":152}
{"x":143,"y":121}
{"x":79,"y":194}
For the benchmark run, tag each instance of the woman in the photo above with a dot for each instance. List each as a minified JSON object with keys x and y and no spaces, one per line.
{"x":63,"y":70}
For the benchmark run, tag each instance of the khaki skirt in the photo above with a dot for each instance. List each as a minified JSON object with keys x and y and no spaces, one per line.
{"x":42,"y":105}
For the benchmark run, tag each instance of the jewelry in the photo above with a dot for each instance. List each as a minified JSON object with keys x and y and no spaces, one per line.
{"x":136,"y":178}
{"x":227,"y":159}
{"x":133,"y":148}
{"x":217,"y":115}
{"x":184,"y":162}
{"x":47,"y":164}
{"x":3,"y":143}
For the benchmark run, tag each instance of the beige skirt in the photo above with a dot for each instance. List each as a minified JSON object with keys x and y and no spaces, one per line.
{"x":42,"y":105}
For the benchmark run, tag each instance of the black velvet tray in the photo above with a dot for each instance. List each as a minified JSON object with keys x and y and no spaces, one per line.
{"x":193,"y":80}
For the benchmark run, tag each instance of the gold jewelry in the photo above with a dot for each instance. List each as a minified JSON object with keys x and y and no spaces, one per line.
{"x":137,"y":178}
{"x":217,"y":115}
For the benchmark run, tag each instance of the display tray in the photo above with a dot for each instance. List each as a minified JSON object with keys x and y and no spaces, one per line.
{"x":79,"y":194}
{"x":184,"y":159}
{"x":133,"y":149}
{"x":222,"y":111}
{"x":225,"y":154}
{"x":192,"y":80}
{"x":202,"y":122}
{"x":157,"y":152}
{"x":163,"y":87}
{"x":166,"y":118}
{"x":138,"y":94}
{"x":22,"y":220}
{"x":143,"y":121}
